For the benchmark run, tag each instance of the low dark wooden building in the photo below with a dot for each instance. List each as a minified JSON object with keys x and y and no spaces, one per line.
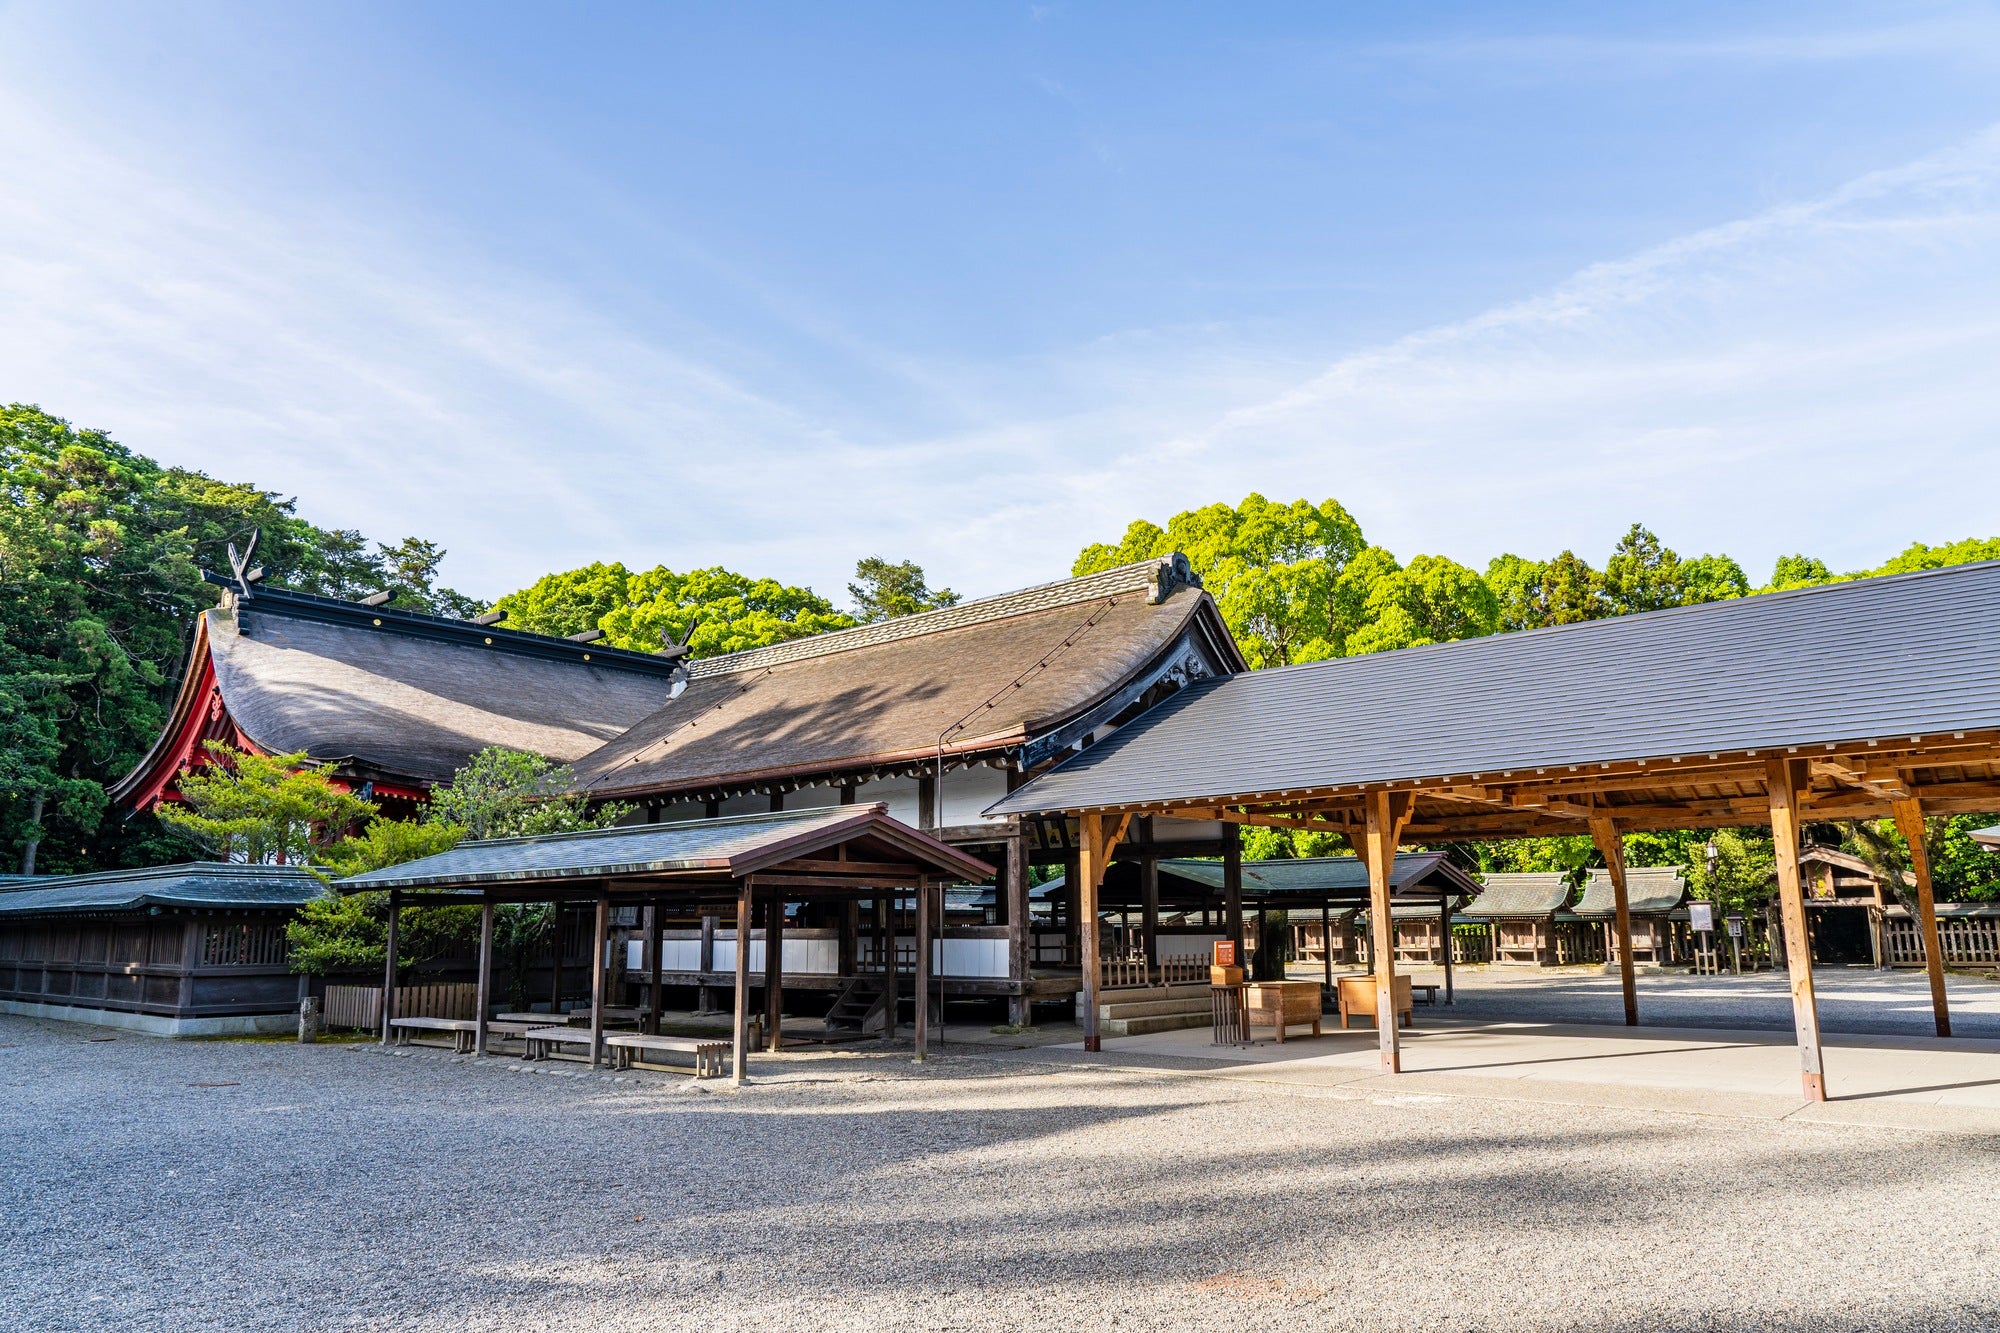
{"x":183,"y":950}
{"x":1658,"y":896}
{"x":1527,"y":915}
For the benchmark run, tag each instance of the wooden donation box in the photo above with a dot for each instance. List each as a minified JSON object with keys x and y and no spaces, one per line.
{"x":1282,"y":1004}
{"x":1357,"y":999}
{"x":1223,"y":969}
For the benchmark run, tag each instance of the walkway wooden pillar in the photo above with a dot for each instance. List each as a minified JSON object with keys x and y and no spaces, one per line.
{"x":1100,"y":836}
{"x":1020,"y":922}
{"x":705,"y":996}
{"x":1444,"y":942}
{"x":556,"y":962}
{"x":1785,"y":779}
{"x":1072,"y":876}
{"x":483,"y":1002}
{"x":655,"y":997}
{"x":389,"y":964}
{"x":1326,"y":941}
{"x":1149,"y":911}
{"x":923,"y":1021}
{"x":774,"y":969}
{"x":1232,"y":886}
{"x":1388,"y":814}
{"x":1910,"y":821}
{"x":1611,"y":847}
{"x":600,"y":936}
{"x":740,"y":1029}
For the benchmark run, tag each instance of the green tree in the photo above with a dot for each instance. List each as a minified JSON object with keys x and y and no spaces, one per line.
{"x":262,"y":808}
{"x":725,"y":611}
{"x":1799,"y":571}
{"x":101,"y":551}
{"x":502,"y":793}
{"x":1431,"y":600}
{"x":1743,"y":873}
{"x":1643,"y":574}
{"x":882,"y":591}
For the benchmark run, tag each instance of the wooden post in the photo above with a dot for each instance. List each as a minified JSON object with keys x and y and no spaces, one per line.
{"x":923,"y":1025}
{"x":1612,"y":848}
{"x":1910,"y":821}
{"x":1100,"y":836}
{"x":389,"y":964}
{"x":1020,"y":922}
{"x":774,"y":969}
{"x":485,"y":1002}
{"x":1326,"y":941}
{"x":705,"y":996}
{"x":556,"y":970}
{"x":1232,"y":886}
{"x":741,"y":1028}
{"x":1149,"y":918}
{"x":1444,"y":925}
{"x":887,"y":910}
{"x":600,"y":935}
{"x":1387,"y":815}
{"x":657,"y":1001}
{"x":1785,"y":779}
{"x":1072,"y":876}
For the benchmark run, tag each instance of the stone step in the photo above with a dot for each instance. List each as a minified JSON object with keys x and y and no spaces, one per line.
{"x":1140,"y":994}
{"x":1154,"y":1008}
{"x":1142,"y":1027}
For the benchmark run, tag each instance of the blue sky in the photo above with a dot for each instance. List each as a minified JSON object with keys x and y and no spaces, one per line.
{"x":777,"y":287}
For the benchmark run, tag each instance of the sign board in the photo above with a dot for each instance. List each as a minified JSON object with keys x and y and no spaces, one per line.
{"x":1225,"y":953}
{"x":1735,"y":924}
{"x":1701,"y":916}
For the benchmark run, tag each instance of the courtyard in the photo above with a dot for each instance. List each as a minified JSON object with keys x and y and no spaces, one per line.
{"x":1162,"y":1184}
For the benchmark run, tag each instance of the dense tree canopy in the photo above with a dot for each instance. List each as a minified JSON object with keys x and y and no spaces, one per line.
{"x":100,"y":557}
{"x":884,"y":591}
{"x":726,"y":611}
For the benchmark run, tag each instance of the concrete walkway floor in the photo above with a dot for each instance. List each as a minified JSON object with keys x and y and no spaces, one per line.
{"x":1911,"y":1082}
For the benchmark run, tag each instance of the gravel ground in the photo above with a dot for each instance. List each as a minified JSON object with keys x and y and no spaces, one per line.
{"x":249,"y":1185}
{"x":1851,"y":999}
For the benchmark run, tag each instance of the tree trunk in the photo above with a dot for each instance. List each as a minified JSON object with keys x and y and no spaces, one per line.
{"x":34,"y":842}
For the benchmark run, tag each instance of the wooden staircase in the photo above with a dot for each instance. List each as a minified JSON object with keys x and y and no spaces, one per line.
{"x":1138,"y":1010}
{"x":857,"y":1010}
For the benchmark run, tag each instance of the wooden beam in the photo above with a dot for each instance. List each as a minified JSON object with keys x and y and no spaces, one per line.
{"x":1388,"y":814}
{"x":1612,"y":848}
{"x":1232,"y":888}
{"x":1784,"y":778}
{"x":1888,"y":786}
{"x":600,"y":935}
{"x":704,"y":997}
{"x":1100,"y":836}
{"x":885,"y":919}
{"x":1909,"y":816}
{"x":740,"y":1029}
{"x":898,"y":872}
{"x":1020,"y":925}
{"x":484,"y":1000}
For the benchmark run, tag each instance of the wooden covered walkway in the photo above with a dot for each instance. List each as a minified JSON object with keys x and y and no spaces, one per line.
{"x":1878,"y":698}
{"x":730,"y":867}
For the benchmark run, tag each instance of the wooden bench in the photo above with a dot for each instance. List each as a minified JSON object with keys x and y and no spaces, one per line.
{"x":711,"y":1058}
{"x":1428,"y":990}
{"x":542,"y":1042}
{"x":461,"y":1030}
{"x":464,"y":1031}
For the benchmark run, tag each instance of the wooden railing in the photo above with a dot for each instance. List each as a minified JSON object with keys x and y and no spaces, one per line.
{"x":244,"y":944}
{"x":1133,"y":971}
{"x":1974,"y":943}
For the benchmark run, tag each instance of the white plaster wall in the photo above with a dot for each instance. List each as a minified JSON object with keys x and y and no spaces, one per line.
{"x":814,"y":956}
{"x":968,"y":791}
{"x":1185,"y":830}
{"x":899,"y":794}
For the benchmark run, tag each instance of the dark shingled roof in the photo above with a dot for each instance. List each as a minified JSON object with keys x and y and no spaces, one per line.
{"x":1530,"y":893}
{"x":981,"y":675}
{"x":1342,"y":876}
{"x":731,"y":846}
{"x":1989,"y":838}
{"x":208,"y":884}
{"x":417,"y":696}
{"x":1905,"y":655}
{"x":1650,"y":891}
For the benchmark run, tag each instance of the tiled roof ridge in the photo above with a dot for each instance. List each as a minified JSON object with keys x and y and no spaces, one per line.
{"x":1153,"y":576}
{"x":720,"y":821}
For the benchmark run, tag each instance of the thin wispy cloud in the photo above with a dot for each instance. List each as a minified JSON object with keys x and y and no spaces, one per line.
{"x":1810,"y":375}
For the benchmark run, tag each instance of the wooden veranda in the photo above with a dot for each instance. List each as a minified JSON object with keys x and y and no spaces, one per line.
{"x":732,"y":868}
